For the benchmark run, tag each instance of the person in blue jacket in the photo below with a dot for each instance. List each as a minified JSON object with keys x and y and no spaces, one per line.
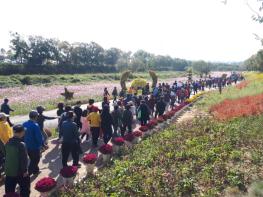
{"x":34,"y":141}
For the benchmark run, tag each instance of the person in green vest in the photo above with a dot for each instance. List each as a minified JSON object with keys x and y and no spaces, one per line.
{"x":16,"y":163}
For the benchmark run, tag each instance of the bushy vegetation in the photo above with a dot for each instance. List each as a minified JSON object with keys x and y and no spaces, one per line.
{"x":18,"y":80}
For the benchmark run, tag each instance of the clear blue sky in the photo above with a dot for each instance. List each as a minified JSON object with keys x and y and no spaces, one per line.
{"x":191,"y":29}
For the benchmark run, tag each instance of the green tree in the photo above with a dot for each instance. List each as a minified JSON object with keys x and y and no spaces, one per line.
{"x":41,"y":50}
{"x":19,"y":47}
{"x":112,"y":55}
{"x":202,"y":67}
{"x":64,"y":52}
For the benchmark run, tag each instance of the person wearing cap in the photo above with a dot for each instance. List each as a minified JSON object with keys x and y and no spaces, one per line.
{"x":5,"y":108}
{"x":40,"y":120}
{"x":95,"y":123}
{"x":70,"y":140}
{"x":34,"y":142}
{"x":16,"y":161}
{"x":6,"y":132}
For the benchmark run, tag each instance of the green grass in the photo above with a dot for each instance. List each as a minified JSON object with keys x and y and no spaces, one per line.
{"x":201,"y":158}
{"x":22,"y":109}
{"x":19,"y":80}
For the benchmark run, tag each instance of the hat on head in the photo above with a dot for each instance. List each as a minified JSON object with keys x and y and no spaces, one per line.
{"x":40,"y":108}
{"x":33,"y":114}
{"x":18,"y":128}
{"x":3,"y":115}
{"x":130,"y":103}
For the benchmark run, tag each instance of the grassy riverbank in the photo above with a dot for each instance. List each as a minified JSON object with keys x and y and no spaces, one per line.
{"x":20,"y":80}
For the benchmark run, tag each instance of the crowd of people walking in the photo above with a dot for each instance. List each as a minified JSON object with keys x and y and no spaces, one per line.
{"x":76,"y":125}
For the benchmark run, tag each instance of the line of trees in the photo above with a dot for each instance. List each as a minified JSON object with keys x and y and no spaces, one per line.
{"x":255,"y":62}
{"x":36,"y":54}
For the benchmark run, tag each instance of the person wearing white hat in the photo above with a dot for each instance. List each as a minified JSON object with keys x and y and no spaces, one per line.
{"x":6,"y":132}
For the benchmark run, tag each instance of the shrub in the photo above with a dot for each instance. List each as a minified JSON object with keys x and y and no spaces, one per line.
{"x":144,"y":128}
{"x":89,"y":158}
{"x":106,"y":149}
{"x":137,"y":133}
{"x":45,"y":184}
{"x":119,"y":141}
{"x":26,"y":80}
{"x":69,"y":171}
{"x":129,"y":137}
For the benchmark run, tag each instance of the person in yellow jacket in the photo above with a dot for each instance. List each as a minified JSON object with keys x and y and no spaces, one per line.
{"x":95,"y":123}
{"x":6,"y":132}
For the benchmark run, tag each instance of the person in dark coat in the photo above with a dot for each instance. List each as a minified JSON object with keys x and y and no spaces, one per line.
{"x":40,"y":120}
{"x":117,"y":119}
{"x":70,"y":143}
{"x":144,"y":113}
{"x":78,"y":112}
{"x":127,"y":119}
{"x":60,"y":110}
{"x":7,"y":109}
{"x":115,"y":93}
{"x":160,"y":107}
{"x":106,"y":123}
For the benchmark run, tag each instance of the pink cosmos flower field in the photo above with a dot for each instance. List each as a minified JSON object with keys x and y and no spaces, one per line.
{"x":25,"y":98}
{"x":29,"y":94}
